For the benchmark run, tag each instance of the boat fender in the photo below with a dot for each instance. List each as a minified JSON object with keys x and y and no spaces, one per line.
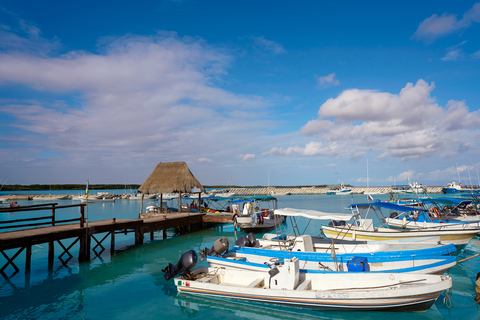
{"x":187,"y":261}
{"x":434,"y":212}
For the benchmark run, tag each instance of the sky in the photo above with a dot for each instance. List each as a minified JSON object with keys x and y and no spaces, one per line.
{"x":277,"y":93}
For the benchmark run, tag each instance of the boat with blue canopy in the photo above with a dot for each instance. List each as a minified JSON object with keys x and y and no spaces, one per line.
{"x":364,"y":228}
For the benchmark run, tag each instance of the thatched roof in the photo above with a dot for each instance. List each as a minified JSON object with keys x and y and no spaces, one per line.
{"x":170,"y":177}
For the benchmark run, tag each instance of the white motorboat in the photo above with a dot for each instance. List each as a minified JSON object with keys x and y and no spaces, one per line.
{"x":286,"y":284}
{"x":91,"y":200}
{"x":364,"y":228}
{"x":50,"y":197}
{"x":255,"y":216}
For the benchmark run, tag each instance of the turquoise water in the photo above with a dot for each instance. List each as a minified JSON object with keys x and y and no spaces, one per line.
{"x":130,"y":283}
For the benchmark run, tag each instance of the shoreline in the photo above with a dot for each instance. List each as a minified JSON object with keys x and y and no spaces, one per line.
{"x":237,"y":191}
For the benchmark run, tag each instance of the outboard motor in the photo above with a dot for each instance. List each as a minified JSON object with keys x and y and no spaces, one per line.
{"x":187,"y":261}
{"x":246,"y":241}
{"x":251,"y":238}
{"x":219,"y":247}
{"x":335,"y":223}
{"x":394,"y":215}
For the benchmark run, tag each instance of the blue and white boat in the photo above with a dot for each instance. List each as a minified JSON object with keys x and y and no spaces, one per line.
{"x":286,"y":283}
{"x":458,"y":188}
{"x":340,"y":190}
{"x":241,"y":257}
{"x":440,"y":213}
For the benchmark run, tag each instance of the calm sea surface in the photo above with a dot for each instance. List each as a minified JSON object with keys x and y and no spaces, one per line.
{"x":130,"y":284}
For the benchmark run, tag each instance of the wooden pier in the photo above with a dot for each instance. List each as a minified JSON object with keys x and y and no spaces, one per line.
{"x":83,"y":232}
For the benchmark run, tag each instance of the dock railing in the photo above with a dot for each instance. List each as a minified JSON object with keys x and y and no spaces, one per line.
{"x":52,"y":219}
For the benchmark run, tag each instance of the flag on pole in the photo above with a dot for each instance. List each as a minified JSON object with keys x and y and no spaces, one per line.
{"x":86,"y":191}
{"x":370,"y":198}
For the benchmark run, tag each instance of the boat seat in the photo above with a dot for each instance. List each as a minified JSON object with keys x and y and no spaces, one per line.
{"x":305,"y":285}
{"x":255,"y":283}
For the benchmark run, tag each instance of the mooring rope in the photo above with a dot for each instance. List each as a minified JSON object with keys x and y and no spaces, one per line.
{"x":448,"y":301}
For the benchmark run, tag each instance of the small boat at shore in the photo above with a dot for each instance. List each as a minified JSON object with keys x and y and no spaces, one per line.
{"x":94,"y":200}
{"x":285,"y":283}
{"x":50,"y":197}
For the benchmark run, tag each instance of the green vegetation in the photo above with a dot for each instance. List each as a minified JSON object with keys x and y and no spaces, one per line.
{"x":32,"y":187}
{"x":18,"y":187}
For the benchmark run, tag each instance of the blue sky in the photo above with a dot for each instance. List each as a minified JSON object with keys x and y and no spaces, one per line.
{"x":245,"y":92}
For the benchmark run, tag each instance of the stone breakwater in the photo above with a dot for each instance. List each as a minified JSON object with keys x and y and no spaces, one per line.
{"x":314,"y":190}
{"x":237,"y":191}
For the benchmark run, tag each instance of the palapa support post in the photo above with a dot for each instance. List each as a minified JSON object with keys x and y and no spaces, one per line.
{"x":179,"y":202}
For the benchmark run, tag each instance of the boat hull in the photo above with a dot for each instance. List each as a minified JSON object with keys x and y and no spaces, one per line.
{"x":245,"y":224}
{"x":372,"y":292}
{"x":457,"y":237}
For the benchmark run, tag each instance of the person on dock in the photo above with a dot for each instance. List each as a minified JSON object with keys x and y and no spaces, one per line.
{"x":193,"y":205}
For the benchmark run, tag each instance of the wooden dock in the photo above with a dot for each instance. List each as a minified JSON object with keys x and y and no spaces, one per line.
{"x":90,"y":235}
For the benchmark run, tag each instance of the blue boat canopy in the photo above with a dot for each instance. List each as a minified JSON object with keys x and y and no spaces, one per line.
{"x":386,"y":205}
{"x":448,"y":201}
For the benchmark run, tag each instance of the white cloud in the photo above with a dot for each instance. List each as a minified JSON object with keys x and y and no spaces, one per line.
{"x":247,"y":157}
{"x":436,"y":26}
{"x":408,"y":125}
{"x":329,"y":80}
{"x":269,"y":45}
{"x":140,"y":101}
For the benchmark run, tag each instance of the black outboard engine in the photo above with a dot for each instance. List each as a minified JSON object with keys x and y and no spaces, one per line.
{"x":246,"y":241}
{"x":251,"y":238}
{"x":187,"y":261}
{"x":219,"y":247}
{"x":335,"y":223}
{"x":394,"y":215}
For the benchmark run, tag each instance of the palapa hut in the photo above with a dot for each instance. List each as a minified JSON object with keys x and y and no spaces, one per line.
{"x":171,"y":177}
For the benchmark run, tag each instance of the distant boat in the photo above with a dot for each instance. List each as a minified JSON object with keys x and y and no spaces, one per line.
{"x":50,"y":197}
{"x":88,"y":200}
{"x":457,"y":188}
{"x":138,"y":196}
{"x":276,"y":194}
{"x":340,"y":190}
{"x":416,"y":188}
